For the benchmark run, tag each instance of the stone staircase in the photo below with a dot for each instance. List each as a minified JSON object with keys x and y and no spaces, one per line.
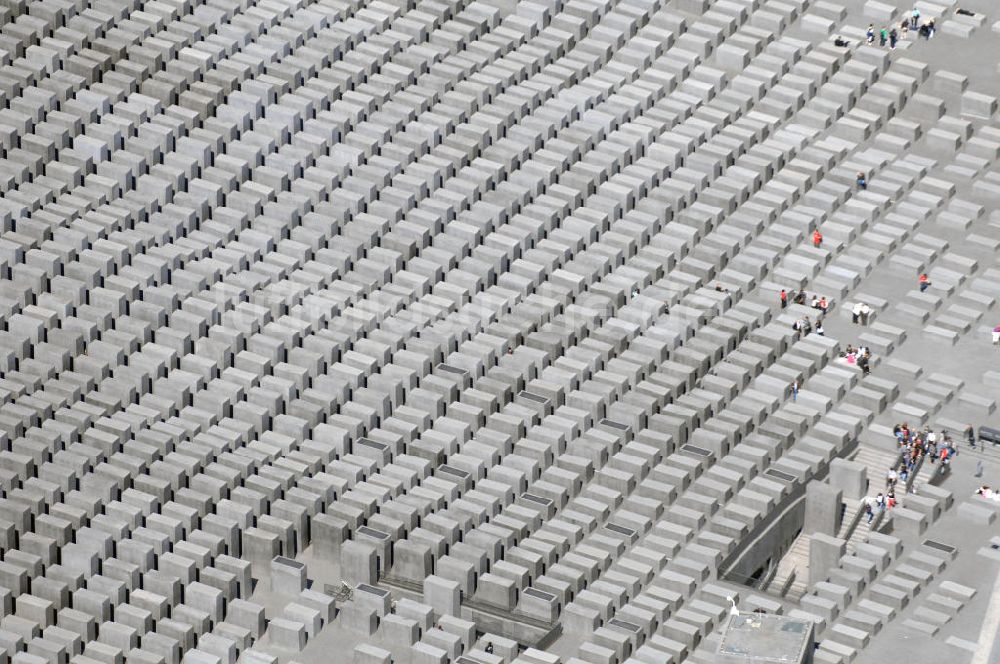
{"x":792,"y":577}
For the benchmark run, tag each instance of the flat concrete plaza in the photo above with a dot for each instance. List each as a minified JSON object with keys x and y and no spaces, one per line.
{"x":498,"y":332}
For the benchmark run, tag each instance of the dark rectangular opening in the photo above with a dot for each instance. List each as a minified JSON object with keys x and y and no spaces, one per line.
{"x":779,"y":474}
{"x":632,"y":627}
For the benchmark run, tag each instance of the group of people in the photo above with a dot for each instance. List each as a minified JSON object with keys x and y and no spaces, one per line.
{"x":885,"y":35}
{"x":860,"y":313}
{"x":860,"y":357}
{"x":891,"y":35}
{"x":879,"y":503}
{"x":924,"y":443}
{"x":805,"y":325}
{"x":987,"y":493}
{"x":916,"y":445}
{"x":818,"y":302}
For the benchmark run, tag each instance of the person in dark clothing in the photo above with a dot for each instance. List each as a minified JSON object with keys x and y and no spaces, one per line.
{"x":862,"y":182}
{"x":970,"y":435}
{"x":841,"y":42}
{"x":489,"y":648}
{"x":893,"y":37}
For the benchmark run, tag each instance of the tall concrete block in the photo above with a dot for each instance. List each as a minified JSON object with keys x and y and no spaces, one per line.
{"x":823,"y":509}
{"x":850,"y":477}
{"x":444,"y":596}
{"x":358,"y":563}
{"x":824,"y":552}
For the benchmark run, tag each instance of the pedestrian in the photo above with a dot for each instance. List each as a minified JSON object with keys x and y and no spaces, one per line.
{"x":784,"y":299}
{"x":891,"y":477}
{"x":893,"y":36}
{"x":996,"y":335}
{"x":930,"y":29}
{"x":883,"y":36}
{"x":795,"y":390}
{"x":819,"y":328}
{"x":914,"y":18}
{"x":807,"y":326}
{"x":489,"y":648}
{"x":979,"y":468}
{"x":924,"y":281}
{"x":856,"y":313}
{"x":817,"y":238}
{"x":871,"y":34}
{"x":862,"y":182}
{"x":865,"y":311}
{"x":868,"y":511}
{"x":863,"y":362}
{"x":970,"y":435}
{"x":904,"y":28}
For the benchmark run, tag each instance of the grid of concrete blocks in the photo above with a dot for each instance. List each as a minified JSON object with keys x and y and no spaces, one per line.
{"x":448,"y":332}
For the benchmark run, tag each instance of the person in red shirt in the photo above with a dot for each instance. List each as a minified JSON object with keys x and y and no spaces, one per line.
{"x":784,"y":298}
{"x":817,"y":238}
{"x":925,"y":282}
